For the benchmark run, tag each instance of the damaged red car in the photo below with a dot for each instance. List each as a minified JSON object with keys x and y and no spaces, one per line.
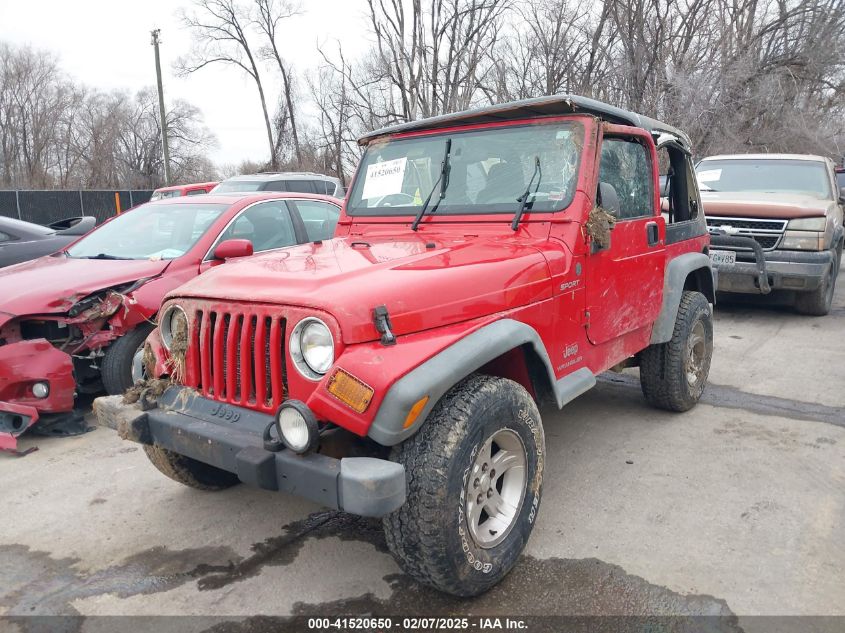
{"x":74,"y":322}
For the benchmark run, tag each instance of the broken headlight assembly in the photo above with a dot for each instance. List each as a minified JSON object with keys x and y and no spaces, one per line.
{"x":312,"y":348}
{"x":172,"y":324}
{"x":106,"y":302}
{"x":805,"y":234}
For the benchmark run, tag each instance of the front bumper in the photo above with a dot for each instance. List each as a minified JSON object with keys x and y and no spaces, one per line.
{"x":778,"y":269}
{"x":231,"y":438}
{"x":21,"y":364}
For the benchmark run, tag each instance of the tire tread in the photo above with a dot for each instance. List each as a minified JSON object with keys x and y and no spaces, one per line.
{"x":661,"y":383}
{"x":413,"y":533}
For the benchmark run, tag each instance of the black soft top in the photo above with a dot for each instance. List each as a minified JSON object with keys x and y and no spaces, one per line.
{"x":554,"y":105}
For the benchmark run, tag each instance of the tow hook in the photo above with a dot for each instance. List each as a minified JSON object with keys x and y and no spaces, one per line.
{"x":382,"y":323}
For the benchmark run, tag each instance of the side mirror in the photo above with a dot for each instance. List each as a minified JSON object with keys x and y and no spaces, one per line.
{"x":603,"y":218}
{"x":609,"y":199}
{"x":841,"y":195}
{"x":233,"y":248}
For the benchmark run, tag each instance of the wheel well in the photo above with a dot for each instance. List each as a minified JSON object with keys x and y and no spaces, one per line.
{"x":523,"y":365}
{"x":701,"y":280}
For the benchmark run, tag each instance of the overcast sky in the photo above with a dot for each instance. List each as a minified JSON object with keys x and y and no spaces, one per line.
{"x":106,"y":44}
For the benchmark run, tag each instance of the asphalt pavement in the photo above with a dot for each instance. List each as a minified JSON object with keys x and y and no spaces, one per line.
{"x":736,"y":508}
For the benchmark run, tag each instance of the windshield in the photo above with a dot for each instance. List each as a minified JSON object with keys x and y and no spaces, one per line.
{"x":488,"y":171}
{"x":238,"y":185}
{"x":151,"y":231}
{"x":774,"y":175}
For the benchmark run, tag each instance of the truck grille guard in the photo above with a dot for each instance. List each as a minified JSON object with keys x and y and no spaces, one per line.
{"x":736,"y":242}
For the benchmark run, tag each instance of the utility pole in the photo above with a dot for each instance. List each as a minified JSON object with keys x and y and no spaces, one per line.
{"x":162,"y":118}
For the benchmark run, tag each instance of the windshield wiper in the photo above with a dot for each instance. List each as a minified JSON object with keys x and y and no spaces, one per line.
{"x":104,"y":256}
{"x":523,"y":199}
{"x":442,"y":178}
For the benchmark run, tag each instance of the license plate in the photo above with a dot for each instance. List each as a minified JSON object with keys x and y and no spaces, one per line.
{"x":723,"y":258}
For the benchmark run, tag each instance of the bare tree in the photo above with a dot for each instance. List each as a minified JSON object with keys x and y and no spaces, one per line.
{"x":427,"y":60}
{"x":736,"y":74}
{"x":333,"y":95}
{"x":221,"y":36}
{"x":33,"y":98}
{"x":269,"y":13}
{"x":431,"y":60}
{"x":56,"y":133}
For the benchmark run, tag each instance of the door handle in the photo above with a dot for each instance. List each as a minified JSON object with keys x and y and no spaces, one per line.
{"x":652,"y":233}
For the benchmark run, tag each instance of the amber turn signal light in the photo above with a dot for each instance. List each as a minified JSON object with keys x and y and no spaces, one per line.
{"x":415,"y":411}
{"x":349,"y":390}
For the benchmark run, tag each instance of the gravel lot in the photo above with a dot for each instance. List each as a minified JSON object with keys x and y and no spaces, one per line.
{"x":736,"y":507}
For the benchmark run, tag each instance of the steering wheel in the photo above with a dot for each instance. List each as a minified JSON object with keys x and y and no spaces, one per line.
{"x":385,"y":201}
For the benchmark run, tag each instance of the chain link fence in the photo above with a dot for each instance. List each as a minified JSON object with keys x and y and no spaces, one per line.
{"x":45,"y":207}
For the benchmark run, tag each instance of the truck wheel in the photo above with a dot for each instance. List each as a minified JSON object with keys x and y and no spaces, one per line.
{"x":818,"y":301}
{"x":116,"y":369}
{"x":475,"y":474}
{"x":673,"y":374}
{"x":188,"y":471}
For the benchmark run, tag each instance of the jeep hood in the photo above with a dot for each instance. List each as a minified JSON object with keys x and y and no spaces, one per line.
{"x":52,"y":284}
{"x":782,"y":206}
{"x":456,"y":280}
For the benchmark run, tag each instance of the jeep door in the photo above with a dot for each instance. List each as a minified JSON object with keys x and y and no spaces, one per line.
{"x":625,"y":279}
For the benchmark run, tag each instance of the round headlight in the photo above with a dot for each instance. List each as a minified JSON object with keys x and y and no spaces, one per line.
{"x":297,"y":426}
{"x":173,"y":323}
{"x":312,"y":348}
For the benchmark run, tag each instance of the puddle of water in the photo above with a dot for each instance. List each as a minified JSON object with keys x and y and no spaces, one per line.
{"x":579,"y":589}
{"x":37,"y":584}
{"x":282,"y":550}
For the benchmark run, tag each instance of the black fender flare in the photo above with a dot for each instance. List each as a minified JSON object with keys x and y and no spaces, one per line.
{"x":677,"y":271}
{"x":441,"y":372}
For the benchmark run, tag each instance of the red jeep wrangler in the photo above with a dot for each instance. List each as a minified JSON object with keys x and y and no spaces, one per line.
{"x":396,"y":370}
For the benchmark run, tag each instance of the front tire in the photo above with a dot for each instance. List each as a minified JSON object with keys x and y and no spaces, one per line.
{"x":116,"y":371}
{"x":475,"y":474}
{"x":673,"y":374}
{"x":817,"y":302}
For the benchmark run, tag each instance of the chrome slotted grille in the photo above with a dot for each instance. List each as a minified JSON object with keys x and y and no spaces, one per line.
{"x":766,"y":232}
{"x":238,"y":357}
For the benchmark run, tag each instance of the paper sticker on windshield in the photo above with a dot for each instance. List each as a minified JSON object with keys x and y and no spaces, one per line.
{"x":384,"y":178}
{"x":709,"y":175}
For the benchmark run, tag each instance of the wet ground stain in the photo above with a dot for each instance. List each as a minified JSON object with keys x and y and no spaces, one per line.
{"x":537,"y":587}
{"x":579,"y":589}
{"x":733,"y":398}
{"x":283,"y":549}
{"x":37,"y":584}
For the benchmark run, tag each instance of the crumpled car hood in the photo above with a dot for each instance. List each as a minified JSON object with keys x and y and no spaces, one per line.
{"x":457,"y":280}
{"x":52,"y":284}
{"x":763,"y":205}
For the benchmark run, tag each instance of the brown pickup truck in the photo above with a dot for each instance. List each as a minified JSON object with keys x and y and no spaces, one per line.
{"x":776,"y":223}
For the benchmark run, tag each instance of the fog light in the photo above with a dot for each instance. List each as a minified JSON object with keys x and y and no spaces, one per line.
{"x":297,"y":426}
{"x":41,"y":389}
